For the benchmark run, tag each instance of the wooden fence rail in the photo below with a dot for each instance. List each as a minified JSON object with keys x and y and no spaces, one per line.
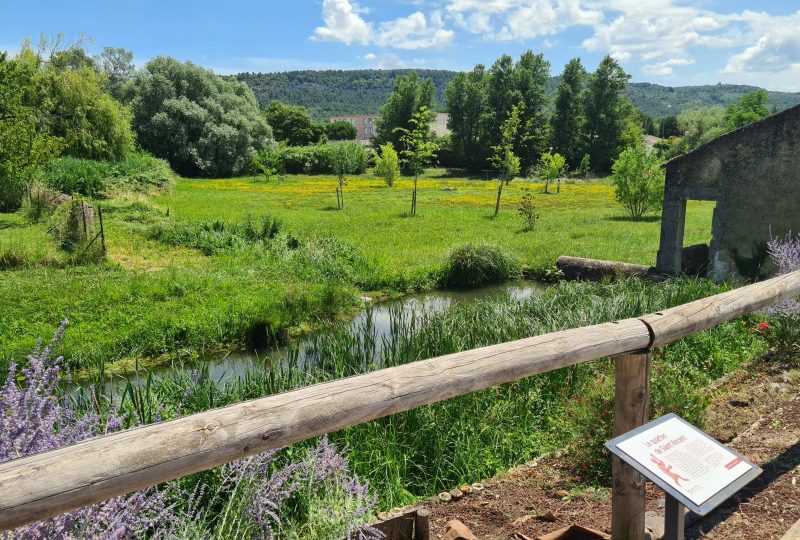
{"x":47,"y":484}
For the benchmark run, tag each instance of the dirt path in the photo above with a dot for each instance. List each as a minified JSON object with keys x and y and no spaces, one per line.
{"x":756,"y":412}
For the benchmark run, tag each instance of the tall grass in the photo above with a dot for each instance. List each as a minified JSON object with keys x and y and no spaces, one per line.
{"x":473,"y":265}
{"x":138,"y":172}
{"x":465,"y":439}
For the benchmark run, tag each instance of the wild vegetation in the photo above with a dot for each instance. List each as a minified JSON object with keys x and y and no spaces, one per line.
{"x":252,"y":254}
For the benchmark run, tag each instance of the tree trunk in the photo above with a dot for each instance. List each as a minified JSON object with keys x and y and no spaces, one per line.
{"x":558,"y":186}
{"x":546,"y":185}
{"x":414,"y":199}
{"x":499,"y":193}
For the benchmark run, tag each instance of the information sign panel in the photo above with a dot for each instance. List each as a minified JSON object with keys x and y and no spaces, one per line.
{"x":685,"y":462}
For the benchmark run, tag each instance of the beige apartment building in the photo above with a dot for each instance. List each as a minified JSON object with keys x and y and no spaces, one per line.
{"x":365,"y":124}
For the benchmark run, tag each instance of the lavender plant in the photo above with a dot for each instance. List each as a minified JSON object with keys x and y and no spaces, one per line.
{"x":314,"y":498}
{"x":33,"y":419}
{"x":261,"y":496}
{"x":785,"y":253}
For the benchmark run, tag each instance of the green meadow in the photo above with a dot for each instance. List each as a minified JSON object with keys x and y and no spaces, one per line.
{"x":164,"y":294}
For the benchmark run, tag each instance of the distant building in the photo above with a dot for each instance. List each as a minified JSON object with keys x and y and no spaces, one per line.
{"x":365,"y":124}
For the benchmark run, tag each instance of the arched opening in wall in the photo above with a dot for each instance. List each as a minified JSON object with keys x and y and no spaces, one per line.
{"x":698,"y":237}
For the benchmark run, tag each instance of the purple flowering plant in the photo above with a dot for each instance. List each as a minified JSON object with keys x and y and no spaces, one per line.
{"x":266,"y":496}
{"x":785,"y":253}
{"x":34,"y":419}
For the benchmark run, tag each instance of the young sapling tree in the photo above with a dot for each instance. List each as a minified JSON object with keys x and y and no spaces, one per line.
{"x":527,"y":210}
{"x":551,"y":168}
{"x":345,"y":159}
{"x":504,"y":158}
{"x":638,"y":179}
{"x":419,"y":148}
{"x":583,"y":168}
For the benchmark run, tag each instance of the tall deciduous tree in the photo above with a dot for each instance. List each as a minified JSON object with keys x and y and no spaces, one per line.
{"x":604,"y":108}
{"x":504,"y":157}
{"x":202,"y":124}
{"x":117,"y":64}
{"x":410,"y":95}
{"x":750,"y":108}
{"x":466,"y":103}
{"x":25,"y":143}
{"x":291,"y":124}
{"x":418,"y":148}
{"x":531,"y":76}
{"x":568,"y":117}
{"x":479,"y":102}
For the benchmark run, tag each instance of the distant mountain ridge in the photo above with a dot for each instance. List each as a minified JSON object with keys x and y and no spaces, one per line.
{"x":363,"y":91}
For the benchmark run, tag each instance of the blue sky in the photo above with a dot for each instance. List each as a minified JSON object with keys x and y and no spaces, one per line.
{"x":673,"y":42}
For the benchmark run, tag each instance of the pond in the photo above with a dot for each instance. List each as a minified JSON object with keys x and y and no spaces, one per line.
{"x":374,"y":322}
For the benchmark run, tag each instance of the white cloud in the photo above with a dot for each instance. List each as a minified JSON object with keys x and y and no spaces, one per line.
{"x":659,"y":37}
{"x":521,"y":19}
{"x":776,"y":46}
{"x":343,"y":23}
{"x":664,"y":69}
{"x":657,"y":29}
{"x":414,"y":32}
{"x":393,"y":61}
{"x":370,"y":56}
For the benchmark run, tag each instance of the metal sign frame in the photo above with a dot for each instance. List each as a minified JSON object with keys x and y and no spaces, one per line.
{"x":710,"y":503}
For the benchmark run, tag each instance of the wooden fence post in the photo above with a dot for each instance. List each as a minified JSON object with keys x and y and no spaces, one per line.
{"x":631,"y":409}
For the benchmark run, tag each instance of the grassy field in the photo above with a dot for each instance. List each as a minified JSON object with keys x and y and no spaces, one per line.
{"x":583,"y":220}
{"x":157,"y":298}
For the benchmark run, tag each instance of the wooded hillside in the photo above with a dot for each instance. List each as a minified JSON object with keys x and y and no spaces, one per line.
{"x":363,"y":91}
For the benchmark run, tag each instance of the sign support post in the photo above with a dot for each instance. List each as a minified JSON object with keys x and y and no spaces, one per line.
{"x":694,"y":470}
{"x":674,"y":519}
{"x":631,"y":409}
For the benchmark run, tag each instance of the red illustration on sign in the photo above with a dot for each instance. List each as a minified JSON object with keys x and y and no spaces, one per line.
{"x":667,"y":469}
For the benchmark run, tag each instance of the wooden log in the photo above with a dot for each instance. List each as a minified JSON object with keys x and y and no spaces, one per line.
{"x":398,"y":528}
{"x":48,"y":484}
{"x":422,"y":524}
{"x":631,"y":409}
{"x":578,"y":268}
{"x":681,"y":321}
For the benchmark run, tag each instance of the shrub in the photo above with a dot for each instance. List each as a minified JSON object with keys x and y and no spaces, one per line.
{"x":785,"y":254}
{"x":314,"y":159}
{"x":213,"y":237}
{"x":138,"y":172}
{"x":387,"y":164}
{"x":638,"y":178}
{"x":340,"y":131}
{"x":473,"y":265}
{"x":784,"y":331}
{"x":527,"y":210}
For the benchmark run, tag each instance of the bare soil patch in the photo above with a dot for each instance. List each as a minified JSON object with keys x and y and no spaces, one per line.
{"x":755,"y":411}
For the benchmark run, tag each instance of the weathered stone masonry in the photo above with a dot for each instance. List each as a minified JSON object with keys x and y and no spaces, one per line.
{"x":753,"y":174}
